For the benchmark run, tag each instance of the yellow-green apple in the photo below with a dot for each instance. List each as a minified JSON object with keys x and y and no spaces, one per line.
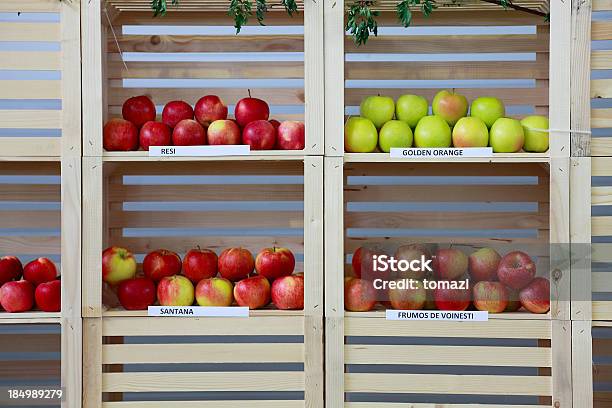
{"x":506,"y":136}
{"x":411,"y":108}
{"x":410,"y":253}
{"x":208,"y":109}
{"x":138,"y":110}
{"x":432,"y":131}
{"x":224,"y":132}
{"x":449,"y":264}
{"x":154,"y":134}
{"x":536,"y":133}
{"x":535,"y":297}
{"x":214,"y":292}
{"x":288,"y":292}
{"x":136,"y":293}
{"x":291,"y":135}
{"x":452,"y":299}
{"x":118,"y":264}
{"x":470,"y":132}
{"x":260,"y":135}
{"x":10,"y":269}
{"x":175,"y":112}
{"x":161,"y":263}
{"x":360,"y":135}
{"x":251,"y":109}
{"x":39,"y":271}
{"x":411,"y":298}
{"x":516,"y":269}
{"x":175,"y":290}
{"x":378,"y":109}
{"x":17,"y":296}
{"x":235,"y":264}
{"x":450,"y":106}
{"x":514,"y":302}
{"x":394,"y":133}
{"x":490,"y":297}
{"x":272,"y":263}
{"x":253,"y":292}
{"x":359,"y":295}
{"x":483,"y":264}
{"x":487,"y":108}
{"x":120,"y":135}
{"x":200,"y":264}
{"x":48,"y":296}
{"x":188,"y":132}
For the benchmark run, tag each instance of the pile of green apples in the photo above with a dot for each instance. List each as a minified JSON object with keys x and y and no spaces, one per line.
{"x":384,"y":124}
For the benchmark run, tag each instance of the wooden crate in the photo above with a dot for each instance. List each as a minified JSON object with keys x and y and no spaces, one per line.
{"x":281,"y":63}
{"x":40,"y":80}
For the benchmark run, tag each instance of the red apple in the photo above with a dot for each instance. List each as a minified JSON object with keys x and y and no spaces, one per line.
{"x":275,"y":123}
{"x":118,"y":264}
{"x":224,"y":132}
{"x":253,"y":292}
{"x":535,"y":297}
{"x":10,"y":269}
{"x":188,"y":132}
{"x":120,"y":135}
{"x":161,"y":263}
{"x":259,"y":135}
{"x":48,"y":296}
{"x":139,"y":110}
{"x":449,"y":264}
{"x":39,"y":271}
{"x":214,"y":292}
{"x":251,"y":109}
{"x":210,"y":108}
{"x":516,"y":269}
{"x":452,"y":299}
{"x":136,"y":293}
{"x":409,"y":298}
{"x":235,"y":264}
{"x":274,"y":262}
{"x":176,"y":111}
{"x":514,"y":302}
{"x":359,"y":295}
{"x":17,"y":296}
{"x":490,"y":296}
{"x":483,"y":265}
{"x":291,"y":135}
{"x":154,"y":134}
{"x":288,"y":292}
{"x":175,"y":290}
{"x":363,"y":262}
{"x":409,"y":253}
{"x":200,"y":264}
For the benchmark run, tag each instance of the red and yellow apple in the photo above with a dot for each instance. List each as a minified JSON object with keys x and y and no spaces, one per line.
{"x":535,"y":297}
{"x":288,"y":292}
{"x":175,"y":290}
{"x":224,"y":132}
{"x":451,"y":299}
{"x":208,"y":109}
{"x":490,"y":296}
{"x":118,"y":264}
{"x":161,"y":263}
{"x":214,"y":292}
{"x":449,"y":264}
{"x":409,"y":253}
{"x":450,"y":106}
{"x":470,"y":132}
{"x":411,"y":298}
{"x":359,"y":295}
{"x":483,"y":264}
{"x":253,"y":292}
{"x":516,"y":269}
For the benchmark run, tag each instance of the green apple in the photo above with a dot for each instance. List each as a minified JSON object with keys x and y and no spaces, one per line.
{"x":507,"y":136}
{"x":394,"y":133}
{"x":487,"y":108}
{"x":535,"y":139}
{"x":379,"y":109}
{"x":432,"y":131}
{"x":449,"y":106}
{"x":360,"y":135}
{"x":411,"y":108}
{"x":470,"y":132}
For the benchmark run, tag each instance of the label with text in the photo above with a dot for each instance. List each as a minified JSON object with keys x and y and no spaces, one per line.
{"x":453,"y":316}
{"x":200,"y":151}
{"x":433,"y":153}
{"x":198,"y":311}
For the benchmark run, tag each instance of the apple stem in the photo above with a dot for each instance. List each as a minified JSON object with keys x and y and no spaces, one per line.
{"x":198,"y":247}
{"x":249,"y":91}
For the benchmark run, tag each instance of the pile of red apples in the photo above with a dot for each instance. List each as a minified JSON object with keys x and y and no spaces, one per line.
{"x":496,"y":284}
{"x":207,"y":124}
{"x":205,"y":279}
{"x":35,"y":285}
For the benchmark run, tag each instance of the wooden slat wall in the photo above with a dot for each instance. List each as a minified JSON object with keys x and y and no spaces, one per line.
{"x":601,"y":116}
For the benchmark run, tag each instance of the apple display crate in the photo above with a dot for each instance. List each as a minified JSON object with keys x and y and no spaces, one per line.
{"x":507,"y":206}
{"x":39,"y":78}
{"x":136,"y":360}
{"x":194,"y":51}
{"x":474,"y":47}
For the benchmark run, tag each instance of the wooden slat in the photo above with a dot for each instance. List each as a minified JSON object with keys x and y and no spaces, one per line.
{"x":602,"y":310}
{"x":30,"y":219}
{"x":17,"y":31}
{"x":203,"y":381}
{"x":444,"y":169}
{"x":216,"y":168}
{"x":426,"y":405}
{"x":601,"y":59}
{"x":35,"y":60}
{"x":601,"y":30}
{"x":601,"y":146}
{"x":31,"y":146}
{"x":30,"y":6}
{"x":30,"y":192}
{"x":447,"y":193}
{"x":601,"y":88}
{"x":30,"y":89}
{"x":602,"y":347}
{"x":29,"y":245}
{"x":601,"y":118}
{"x":448,"y":384}
{"x":209,"y":404}
{"x":601,"y":226}
{"x":19,"y":343}
{"x":29,"y":370}
{"x":31,"y":119}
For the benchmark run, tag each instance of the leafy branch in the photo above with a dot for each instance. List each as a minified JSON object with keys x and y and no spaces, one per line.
{"x":361,"y":21}
{"x":405,"y":14}
{"x":240,"y":11}
{"x":290,"y":6}
{"x":160,"y":7}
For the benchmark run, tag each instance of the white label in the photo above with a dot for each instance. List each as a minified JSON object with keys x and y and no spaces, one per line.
{"x":202,"y":151}
{"x":447,"y":152}
{"x":198,"y":311}
{"x":454,"y":316}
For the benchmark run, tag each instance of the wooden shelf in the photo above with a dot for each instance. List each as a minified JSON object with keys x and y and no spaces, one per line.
{"x":252,"y":313}
{"x":380,"y":314}
{"x":189,"y":5}
{"x":497,"y":158}
{"x":472,"y":5}
{"x":29,"y":317}
{"x":142,"y":155}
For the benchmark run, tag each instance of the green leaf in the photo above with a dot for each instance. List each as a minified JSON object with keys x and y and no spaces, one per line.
{"x":361,"y":21}
{"x":262,"y":9}
{"x":240,"y":11}
{"x":290,"y":6}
